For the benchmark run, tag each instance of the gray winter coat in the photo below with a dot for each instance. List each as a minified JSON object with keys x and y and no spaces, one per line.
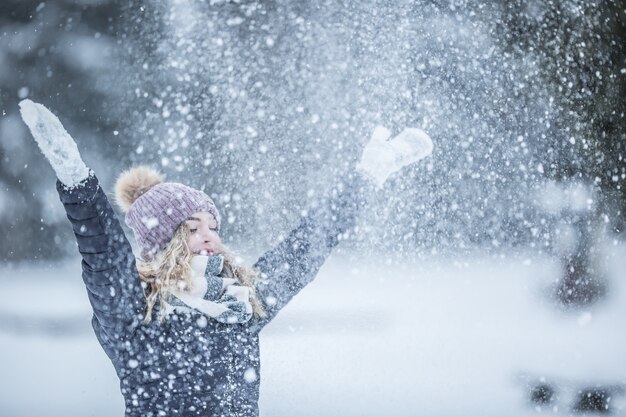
{"x":190,"y":365}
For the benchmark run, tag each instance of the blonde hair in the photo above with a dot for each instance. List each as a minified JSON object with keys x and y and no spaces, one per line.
{"x":172,"y":270}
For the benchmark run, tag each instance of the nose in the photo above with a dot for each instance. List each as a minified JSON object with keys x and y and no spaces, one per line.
{"x":207,"y":235}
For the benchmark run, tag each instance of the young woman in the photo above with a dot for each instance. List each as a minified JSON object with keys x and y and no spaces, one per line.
{"x":181,"y":322}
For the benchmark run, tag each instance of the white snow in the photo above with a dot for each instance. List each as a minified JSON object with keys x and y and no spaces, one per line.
{"x":443,"y":337}
{"x":22,"y":93}
{"x":150,"y":222}
{"x":250,"y":375}
{"x":555,"y":197}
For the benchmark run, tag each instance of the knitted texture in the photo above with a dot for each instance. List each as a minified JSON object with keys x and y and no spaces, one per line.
{"x":156,"y":214}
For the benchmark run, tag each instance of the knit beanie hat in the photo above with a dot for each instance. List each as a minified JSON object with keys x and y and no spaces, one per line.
{"x":154,"y":209}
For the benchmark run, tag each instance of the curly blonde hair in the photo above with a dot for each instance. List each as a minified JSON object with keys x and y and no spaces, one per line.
{"x":172,"y":270}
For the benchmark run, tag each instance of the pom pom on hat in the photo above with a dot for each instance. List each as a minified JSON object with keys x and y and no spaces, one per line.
{"x":133,"y":183}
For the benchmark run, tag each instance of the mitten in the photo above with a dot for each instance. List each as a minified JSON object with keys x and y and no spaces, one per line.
{"x":238,"y":309}
{"x":383,"y":156}
{"x":55,"y":143}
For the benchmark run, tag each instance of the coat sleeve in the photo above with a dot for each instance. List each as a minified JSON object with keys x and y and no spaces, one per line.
{"x":290,"y":266}
{"x":108,"y":264}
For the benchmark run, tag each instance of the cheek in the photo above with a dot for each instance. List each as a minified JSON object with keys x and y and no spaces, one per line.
{"x":216,"y":239}
{"x":193,"y":240}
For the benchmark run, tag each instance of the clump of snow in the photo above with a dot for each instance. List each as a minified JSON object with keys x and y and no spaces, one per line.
{"x":150,"y":222}
{"x":250,"y":375}
{"x":202,"y":322}
{"x":23,"y":92}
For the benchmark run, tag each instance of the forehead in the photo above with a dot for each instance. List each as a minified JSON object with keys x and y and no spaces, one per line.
{"x":202,"y":216}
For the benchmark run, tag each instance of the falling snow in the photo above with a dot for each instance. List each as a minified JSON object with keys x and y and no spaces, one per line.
{"x":485,"y":280}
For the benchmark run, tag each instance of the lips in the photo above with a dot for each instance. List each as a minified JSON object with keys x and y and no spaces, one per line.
{"x":205,"y":252}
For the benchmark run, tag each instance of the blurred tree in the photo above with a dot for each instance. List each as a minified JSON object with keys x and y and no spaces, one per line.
{"x":66,"y":55}
{"x":580,"y":49}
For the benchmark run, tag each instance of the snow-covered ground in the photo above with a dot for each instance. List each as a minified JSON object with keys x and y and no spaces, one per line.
{"x":443,"y":337}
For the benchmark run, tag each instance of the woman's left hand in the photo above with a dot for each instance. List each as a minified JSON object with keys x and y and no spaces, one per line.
{"x":242,"y":294}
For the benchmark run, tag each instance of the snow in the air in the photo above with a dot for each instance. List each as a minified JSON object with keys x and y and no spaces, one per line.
{"x":485,"y":280}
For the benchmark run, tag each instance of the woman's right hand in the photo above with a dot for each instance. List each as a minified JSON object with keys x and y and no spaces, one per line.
{"x":55,"y":143}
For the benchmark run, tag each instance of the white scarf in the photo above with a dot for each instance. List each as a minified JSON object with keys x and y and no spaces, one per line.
{"x":228,"y":301}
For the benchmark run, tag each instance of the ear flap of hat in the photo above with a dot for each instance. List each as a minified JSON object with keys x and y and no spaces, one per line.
{"x":133,"y":183}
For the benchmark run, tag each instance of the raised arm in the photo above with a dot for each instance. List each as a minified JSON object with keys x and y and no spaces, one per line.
{"x":108,"y":263}
{"x":294,"y":263}
{"x":287,"y":268}
{"x":109,"y":270}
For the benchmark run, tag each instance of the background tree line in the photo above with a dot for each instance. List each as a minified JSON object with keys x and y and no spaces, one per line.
{"x":264,"y":103}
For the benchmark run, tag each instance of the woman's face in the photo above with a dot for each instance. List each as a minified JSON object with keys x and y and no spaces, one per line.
{"x":203,"y":236}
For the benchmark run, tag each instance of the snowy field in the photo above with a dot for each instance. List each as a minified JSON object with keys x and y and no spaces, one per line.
{"x":445,"y":337}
